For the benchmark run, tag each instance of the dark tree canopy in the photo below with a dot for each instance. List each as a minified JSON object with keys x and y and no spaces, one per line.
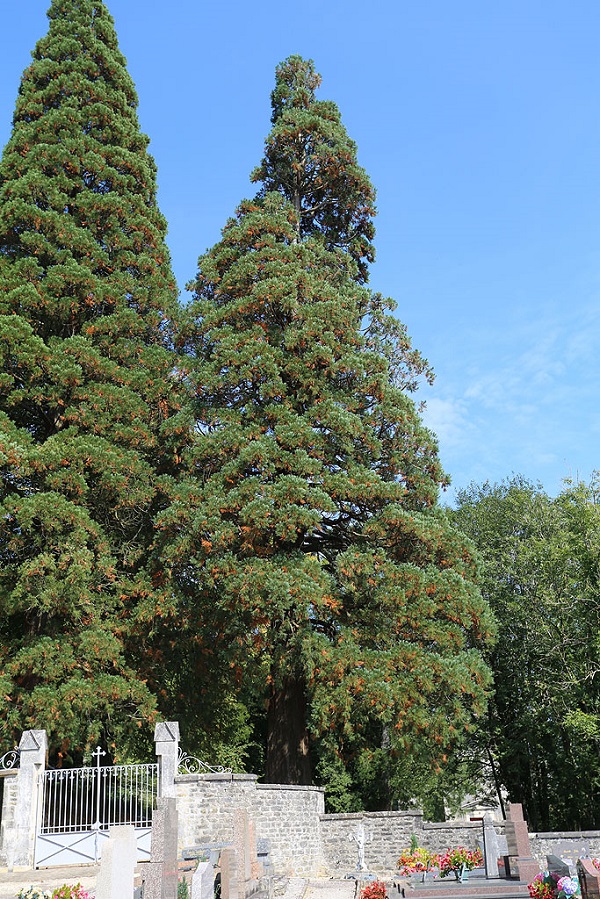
{"x":88,"y":426}
{"x":308,"y":532}
{"x":541,"y":577}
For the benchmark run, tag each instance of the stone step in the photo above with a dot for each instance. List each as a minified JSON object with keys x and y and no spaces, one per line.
{"x":476,"y":887}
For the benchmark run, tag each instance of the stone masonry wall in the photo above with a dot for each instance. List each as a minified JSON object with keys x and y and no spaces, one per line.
{"x":207,"y":803}
{"x":568,"y":846}
{"x":304,"y":842}
{"x":386,"y":835}
{"x":286,"y":817}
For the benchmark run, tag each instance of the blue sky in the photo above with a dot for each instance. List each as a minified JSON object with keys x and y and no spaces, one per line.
{"x":479,"y":124}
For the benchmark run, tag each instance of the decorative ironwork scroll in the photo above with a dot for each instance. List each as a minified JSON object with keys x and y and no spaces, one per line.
{"x":189,"y":764}
{"x":9,"y":760}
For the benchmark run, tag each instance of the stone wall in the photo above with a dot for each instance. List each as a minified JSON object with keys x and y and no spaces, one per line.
{"x":569,"y":846}
{"x":287,"y":818}
{"x":207,"y":803}
{"x":386,"y":835}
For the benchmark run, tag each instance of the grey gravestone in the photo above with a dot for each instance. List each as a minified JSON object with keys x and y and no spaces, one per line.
{"x":203,"y":881}
{"x":117,"y":865}
{"x":160,"y":873}
{"x":557,"y":866}
{"x":491,"y":849}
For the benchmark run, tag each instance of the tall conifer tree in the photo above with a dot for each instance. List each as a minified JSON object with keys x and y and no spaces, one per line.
{"x":310,"y":539}
{"x":87,"y":405}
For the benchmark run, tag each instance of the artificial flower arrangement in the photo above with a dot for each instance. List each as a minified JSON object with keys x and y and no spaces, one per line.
{"x":457,"y":861}
{"x":553,"y":886}
{"x":63,"y":892}
{"x":374,"y":890}
{"x":416,"y":860}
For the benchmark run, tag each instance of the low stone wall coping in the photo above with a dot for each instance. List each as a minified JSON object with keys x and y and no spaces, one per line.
{"x":566,"y":835}
{"x":448,"y":825}
{"x":11,"y":772}
{"x":223,"y":777}
{"x":290,"y":787}
{"x":357,"y":816}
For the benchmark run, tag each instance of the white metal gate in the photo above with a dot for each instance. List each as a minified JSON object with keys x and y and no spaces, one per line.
{"x":80,"y":804}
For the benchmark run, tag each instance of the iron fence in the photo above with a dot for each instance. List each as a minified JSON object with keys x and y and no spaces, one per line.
{"x":79,"y":799}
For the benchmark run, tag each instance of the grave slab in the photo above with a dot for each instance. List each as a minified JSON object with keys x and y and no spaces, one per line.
{"x":117,"y":865}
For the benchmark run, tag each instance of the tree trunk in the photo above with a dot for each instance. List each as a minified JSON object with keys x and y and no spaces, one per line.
{"x":288,"y":760}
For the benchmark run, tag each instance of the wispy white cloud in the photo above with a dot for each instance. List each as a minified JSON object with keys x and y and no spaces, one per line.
{"x":448,"y":419}
{"x":526,"y":401}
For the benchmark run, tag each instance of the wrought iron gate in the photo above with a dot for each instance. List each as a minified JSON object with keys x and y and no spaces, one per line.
{"x":80,"y":804}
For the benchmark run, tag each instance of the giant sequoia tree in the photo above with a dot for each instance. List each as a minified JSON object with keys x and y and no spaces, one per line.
{"x":308,"y":538}
{"x":87,"y":430}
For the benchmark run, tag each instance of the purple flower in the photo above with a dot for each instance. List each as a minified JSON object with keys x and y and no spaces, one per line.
{"x":567,"y":885}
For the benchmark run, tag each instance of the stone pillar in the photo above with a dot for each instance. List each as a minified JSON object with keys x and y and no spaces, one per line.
{"x":33,"y":749}
{"x":7,"y":814}
{"x":166,"y":739}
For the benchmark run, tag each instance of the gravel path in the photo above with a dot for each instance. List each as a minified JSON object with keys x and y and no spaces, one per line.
{"x":330,"y":889}
{"x":48,"y":879}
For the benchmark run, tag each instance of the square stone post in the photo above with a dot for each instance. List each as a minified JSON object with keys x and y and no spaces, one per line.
{"x":166,"y":739}
{"x":33,"y":750}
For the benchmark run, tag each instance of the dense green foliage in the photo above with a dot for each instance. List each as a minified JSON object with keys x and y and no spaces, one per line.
{"x":308,"y":537}
{"x":541,"y":577}
{"x":247,"y":538}
{"x":87,"y":400}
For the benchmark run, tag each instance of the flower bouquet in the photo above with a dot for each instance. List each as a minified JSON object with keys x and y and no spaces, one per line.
{"x":374,"y":890}
{"x":33,"y":893}
{"x":416,"y":861}
{"x":458,"y":861}
{"x":70,"y":892}
{"x":552,"y":886}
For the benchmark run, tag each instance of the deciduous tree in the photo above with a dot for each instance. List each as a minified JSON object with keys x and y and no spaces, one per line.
{"x":540,"y":575}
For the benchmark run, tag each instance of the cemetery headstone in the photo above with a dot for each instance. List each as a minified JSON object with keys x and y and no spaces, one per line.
{"x":519,"y":862}
{"x":241,"y":843}
{"x":493,"y":847}
{"x":160,"y":873}
{"x":589,"y":879}
{"x":117,"y":864}
{"x":203,"y":881}
{"x":557,"y":866}
{"x":230,"y":885}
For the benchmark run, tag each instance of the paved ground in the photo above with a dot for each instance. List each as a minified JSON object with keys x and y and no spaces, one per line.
{"x":330,"y":889}
{"x":46,"y":879}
